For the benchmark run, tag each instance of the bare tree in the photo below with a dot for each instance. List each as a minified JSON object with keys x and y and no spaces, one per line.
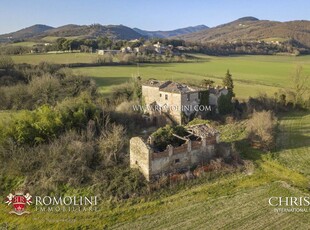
{"x":300,"y":86}
{"x":111,"y":143}
{"x":261,"y":129}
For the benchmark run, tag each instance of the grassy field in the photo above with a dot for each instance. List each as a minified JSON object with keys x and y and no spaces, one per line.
{"x":28,"y":44}
{"x":63,"y":58}
{"x":53,"y":38}
{"x":252,"y":74}
{"x":235,"y":201}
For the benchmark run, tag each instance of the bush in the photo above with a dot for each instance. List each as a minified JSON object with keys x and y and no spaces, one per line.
{"x":111,"y":143}
{"x":225,"y":105}
{"x":197,"y":121}
{"x":45,"y":89}
{"x":164,"y":136}
{"x":131,"y":90}
{"x":46,"y":122}
{"x":6,"y":62}
{"x":66,"y":163}
{"x":261,"y":129}
{"x":127,"y":107}
{"x":106,"y":58}
{"x":30,"y":127}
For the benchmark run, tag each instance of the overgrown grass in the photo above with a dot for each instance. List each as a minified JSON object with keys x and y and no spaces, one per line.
{"x":234,"y":201}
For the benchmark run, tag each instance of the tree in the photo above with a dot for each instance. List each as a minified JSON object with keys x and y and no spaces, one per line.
{"x":300,"y":87}
{"x":164,"y":136}
{"x":60,"y":42}
{"x":261,"y":129}
{"x":111,"y":143}
{"x":204,"y":97}
{"x":225,"y":105}
{"x":228,"y":82}
{"x":207,"y":82}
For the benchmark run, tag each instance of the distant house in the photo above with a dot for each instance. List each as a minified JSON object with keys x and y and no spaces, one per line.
{"x":160,"y":48}
{"x":102,"y":52}
{"x":127,"y":49}
{"x":181,"y":48}
{"x":136,"y":49}
{"x":134,"y":40}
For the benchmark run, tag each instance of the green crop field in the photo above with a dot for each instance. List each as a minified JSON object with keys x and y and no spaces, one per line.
{"x":61,"y":58}
{"x":252,"y":74}
{"x":235,"y":201}
{"x":28,"y":44}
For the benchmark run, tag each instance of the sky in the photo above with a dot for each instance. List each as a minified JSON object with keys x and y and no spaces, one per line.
{"x":144,"y":14}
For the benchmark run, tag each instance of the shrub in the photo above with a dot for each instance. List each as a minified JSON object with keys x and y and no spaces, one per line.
{"x":197,"y":121}
{"x":261,"y":129}
{"x":131,"y":90}
{"x":111,"y":143}
{"x":127,"y":107}
{"x":225,"y":105}
{"x":46,"y":122}
{"x":6,"y":62}
{"x":164,"y":136}
{"x":45,"y":89}
{"x":34,"y":126}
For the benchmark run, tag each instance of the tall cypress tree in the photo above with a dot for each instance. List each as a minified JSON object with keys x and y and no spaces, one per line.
{"x":228,"y":81}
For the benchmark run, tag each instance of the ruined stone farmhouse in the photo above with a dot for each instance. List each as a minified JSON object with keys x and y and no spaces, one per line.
{"x":199,"y":148}
{"x":170,"y":100}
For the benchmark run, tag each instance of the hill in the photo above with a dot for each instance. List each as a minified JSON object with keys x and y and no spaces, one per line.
{"x":171,"y":33}
{"x":25,"y":33}
{"x":71,"y":30}
{"x":93,"y":31}
{"x":253,"y":29}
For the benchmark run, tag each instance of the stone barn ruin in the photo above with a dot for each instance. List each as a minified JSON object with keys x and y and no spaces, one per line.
{"x":199,"y":148}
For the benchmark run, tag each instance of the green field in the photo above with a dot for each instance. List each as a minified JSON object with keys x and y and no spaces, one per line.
{"x":235,"y":201}
{"x":28,"y":44}
{"x":252,"y":74}
{"x":53,"y":38}
{"x":62,"y":58}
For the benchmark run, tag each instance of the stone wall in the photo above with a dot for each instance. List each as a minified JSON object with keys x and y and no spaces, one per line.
{"x":173,"y":101}
{"x":173,"y":159}
{"x":150,"y":94}
{"x":140,"y":154}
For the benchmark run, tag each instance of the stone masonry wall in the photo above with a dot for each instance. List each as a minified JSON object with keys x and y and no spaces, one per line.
{"x":173,"y":159}
{"x":140,"y":156}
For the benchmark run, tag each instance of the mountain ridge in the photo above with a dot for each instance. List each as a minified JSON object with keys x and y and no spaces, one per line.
{"x":171,"y":33}
{"x":250,"y":29}
{"x":243,"y":29}
{"x":27,"y":32}
{"x":92,"y":31}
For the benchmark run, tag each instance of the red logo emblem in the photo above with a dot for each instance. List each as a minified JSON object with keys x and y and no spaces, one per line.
{"x":19,"y":201}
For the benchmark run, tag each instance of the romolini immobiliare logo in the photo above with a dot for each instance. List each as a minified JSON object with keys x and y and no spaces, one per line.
{"x":19,"y":202}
